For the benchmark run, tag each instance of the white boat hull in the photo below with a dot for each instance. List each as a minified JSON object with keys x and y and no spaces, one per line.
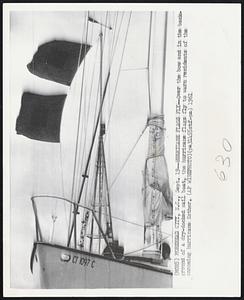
{"x":62,"y":267}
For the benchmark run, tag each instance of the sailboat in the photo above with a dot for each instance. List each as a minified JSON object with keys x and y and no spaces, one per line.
{"x":86,"y":251}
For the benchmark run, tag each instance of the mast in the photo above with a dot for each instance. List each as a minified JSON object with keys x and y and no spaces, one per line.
{"x":164,"y":60}
{"x":100,"y":173}
{"x":156,"y":190}
{"x":101,"y":199}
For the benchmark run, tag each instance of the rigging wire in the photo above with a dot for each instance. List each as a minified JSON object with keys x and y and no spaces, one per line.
{"x":62,"y":180}
{"x":134,"y":69}
{"x":92,"y":79}
{"x":127,"y":158}
{"x":117,"y":79}
{"x":87,"y":114}
{"x":79,"y":113}
{"x":82,"y":100}
{"x":137,"y":224}
{"x":84,"y":145}
{"x":103,"y":30}
{"x":54,"y":209}
{"x":144,"y":247}
{"x":148,"y":63}
{"x":35,"y":164}
{"x":111,"y":47}
{"x":61,"y":167}
{"x":117,"y":38}
{"x":164,"y":59}
{"x":83,"y":131}
{"x":114,"y":31}
{"x":76,"y":147}
{"x":88,"y":171}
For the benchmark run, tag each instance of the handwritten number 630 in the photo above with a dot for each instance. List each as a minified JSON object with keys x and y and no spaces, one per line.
{"x":223,"y":160}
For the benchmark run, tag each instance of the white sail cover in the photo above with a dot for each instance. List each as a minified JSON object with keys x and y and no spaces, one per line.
{"x":157,"y":192}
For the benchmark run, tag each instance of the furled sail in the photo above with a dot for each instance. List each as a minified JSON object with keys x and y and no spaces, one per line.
{"x":58,"y":60}
{"x":157,"y":195}
{"x":40,"y":117}
{"x":157,"y":192}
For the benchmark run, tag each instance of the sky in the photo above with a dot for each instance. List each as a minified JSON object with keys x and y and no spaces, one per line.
{"x":36,"y":166}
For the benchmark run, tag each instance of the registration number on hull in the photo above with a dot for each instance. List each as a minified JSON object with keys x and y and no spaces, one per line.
{"x":77,"y":259}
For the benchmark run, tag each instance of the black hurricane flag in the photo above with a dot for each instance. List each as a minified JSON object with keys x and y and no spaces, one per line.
{"x":40,"y":117}
{"x":58,"y":60}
